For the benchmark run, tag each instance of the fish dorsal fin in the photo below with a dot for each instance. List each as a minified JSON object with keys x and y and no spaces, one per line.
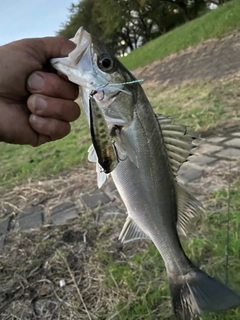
{"x":131,"y":232}
{"x":188,"y":209}
{"x":101,"y":175}
{"x":177,"y":141}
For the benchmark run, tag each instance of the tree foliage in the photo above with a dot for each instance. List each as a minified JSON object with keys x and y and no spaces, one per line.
{"x":127,"y":24}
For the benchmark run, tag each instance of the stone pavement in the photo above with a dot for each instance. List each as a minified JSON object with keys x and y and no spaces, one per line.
{"x":216,"y":158}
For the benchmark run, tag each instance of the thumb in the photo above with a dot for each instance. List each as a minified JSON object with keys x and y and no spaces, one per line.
{"x":54,"y":47}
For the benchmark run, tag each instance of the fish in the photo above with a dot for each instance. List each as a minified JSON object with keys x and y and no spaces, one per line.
{"x":102,"y":142}
{"x":152,"y":150}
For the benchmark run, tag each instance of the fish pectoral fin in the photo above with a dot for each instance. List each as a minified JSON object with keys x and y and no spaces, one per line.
{"x":178,"y":142}
{"x":125,"y":147}
{"x":131,"y":232}
{"x":188,"y":209}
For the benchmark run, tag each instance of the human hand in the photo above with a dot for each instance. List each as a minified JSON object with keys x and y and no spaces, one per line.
{"x":35,"y":106}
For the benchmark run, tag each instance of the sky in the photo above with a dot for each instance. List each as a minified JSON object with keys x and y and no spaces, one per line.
{"x":31,"y":18}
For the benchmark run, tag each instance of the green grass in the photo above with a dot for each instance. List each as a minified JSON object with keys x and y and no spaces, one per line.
{"x":214,"y":24}
{"x":21,"y":162}
{"x":140,"y":280}
{"x":117,"y":282}
{"x":201,"y":105}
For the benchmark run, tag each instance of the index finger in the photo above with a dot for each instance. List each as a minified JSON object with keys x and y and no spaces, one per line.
{"x":53,"y":47}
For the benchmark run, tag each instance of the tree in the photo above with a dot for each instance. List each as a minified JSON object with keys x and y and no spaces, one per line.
{"x":81,"y":15}
{"x":127,"y":24}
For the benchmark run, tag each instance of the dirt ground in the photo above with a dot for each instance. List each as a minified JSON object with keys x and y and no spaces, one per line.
{"x":212,"y":59}
{"x":32,"y":291}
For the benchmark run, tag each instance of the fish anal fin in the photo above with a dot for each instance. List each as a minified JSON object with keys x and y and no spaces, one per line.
{"x":131,"y":232}
{"x":178,"y":142}
{"x":189,"y":208}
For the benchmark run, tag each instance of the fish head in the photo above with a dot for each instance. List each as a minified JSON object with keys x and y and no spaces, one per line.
{"x":99,"y":73}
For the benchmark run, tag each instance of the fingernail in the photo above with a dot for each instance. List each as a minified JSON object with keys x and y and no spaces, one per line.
{"x":40,"y":104}
{"x":35,"y":82}
{"x":37,"y":120}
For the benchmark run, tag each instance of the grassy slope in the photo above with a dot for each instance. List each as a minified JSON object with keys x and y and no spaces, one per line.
{"x":21,"y":162}
{"x":214,"y":24}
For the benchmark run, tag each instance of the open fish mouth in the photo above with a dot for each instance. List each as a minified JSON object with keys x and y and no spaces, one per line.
{"x":78,"y":65}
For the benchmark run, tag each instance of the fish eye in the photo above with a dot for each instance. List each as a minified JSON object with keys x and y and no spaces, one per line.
{"x":105,"y":63}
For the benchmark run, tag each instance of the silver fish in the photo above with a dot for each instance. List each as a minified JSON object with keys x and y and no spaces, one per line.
{"x":153,"y":149}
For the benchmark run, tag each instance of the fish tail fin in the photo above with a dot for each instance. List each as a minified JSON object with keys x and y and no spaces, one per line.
{"x":196,"y":293}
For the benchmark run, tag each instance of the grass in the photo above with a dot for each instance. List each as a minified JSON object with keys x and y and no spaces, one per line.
{"x":206,"y":104}
{"x":21,"y":162}
{"x":201,"y":105}
{"x":144,"y":279}
{"x":214,"y":24}
{"x":104,"y":279}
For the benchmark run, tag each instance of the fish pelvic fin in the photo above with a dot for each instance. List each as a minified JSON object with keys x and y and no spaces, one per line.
{"x":196,"y":293}
{"x":131,"y":231}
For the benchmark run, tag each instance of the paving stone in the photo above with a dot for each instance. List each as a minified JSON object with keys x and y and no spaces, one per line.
{"x":111,"y":191}
{"x":2,"y":241}
{"x":94,"y":199}
{"x":4,"y":225}
{"x":110,"y":187}
{"x":115,"y":195}
{"x":64,"y":212}
{"x":216,"y":139}
{"x":202,"y":160}
{"x":233,"y":142}
{"x":62,"y":207}
{"x":109,"y":213}
{"x":230,"y":153}
{"x":207,"y":148}
{"x":190,"y":173}
{"x":31,"y":218}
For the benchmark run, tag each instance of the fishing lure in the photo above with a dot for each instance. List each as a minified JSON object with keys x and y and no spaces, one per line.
{"x":101,"y":138}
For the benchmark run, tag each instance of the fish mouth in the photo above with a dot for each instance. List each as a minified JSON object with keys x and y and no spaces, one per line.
{"x":79,"y":63}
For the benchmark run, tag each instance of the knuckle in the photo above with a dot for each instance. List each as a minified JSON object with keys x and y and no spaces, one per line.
{"x":75,"y":112}
{"x":59,"y":129}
